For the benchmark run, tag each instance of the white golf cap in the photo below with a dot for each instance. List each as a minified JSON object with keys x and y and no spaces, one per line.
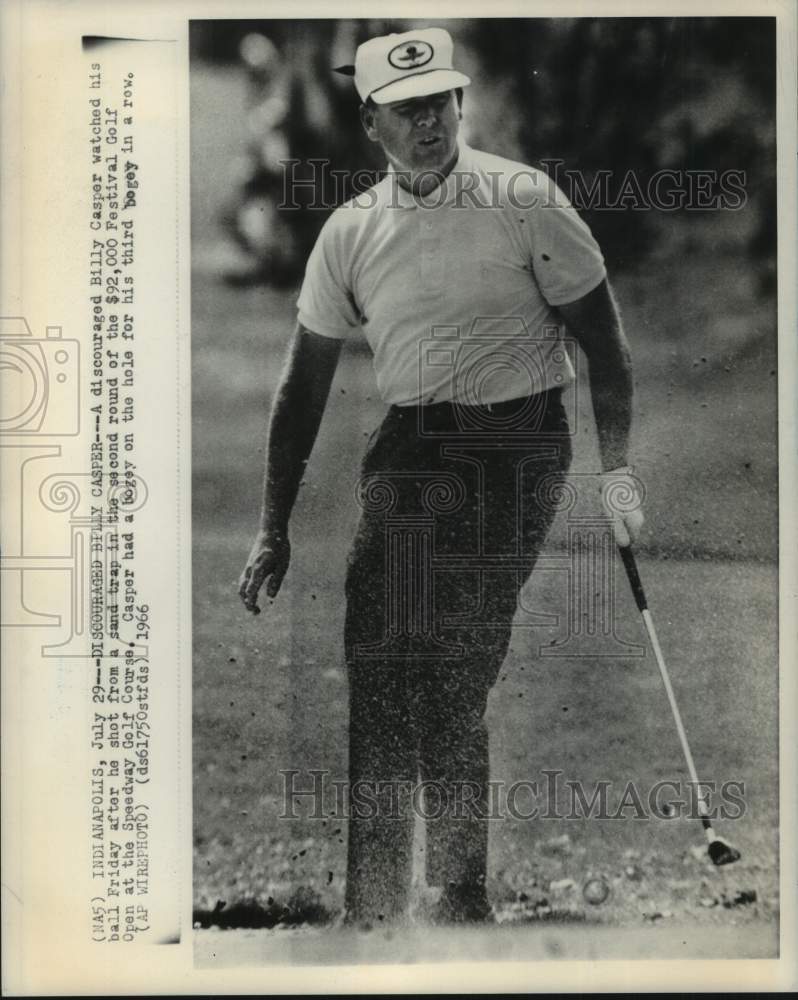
{"x":411,"y":64}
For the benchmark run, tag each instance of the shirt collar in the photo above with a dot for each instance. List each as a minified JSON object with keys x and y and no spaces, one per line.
{"x":444,"y":194}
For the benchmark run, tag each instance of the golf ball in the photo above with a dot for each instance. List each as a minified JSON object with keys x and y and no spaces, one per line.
{"x":595,"y":891}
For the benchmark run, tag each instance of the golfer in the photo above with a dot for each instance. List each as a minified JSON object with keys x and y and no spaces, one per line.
{"x":463,"y":271}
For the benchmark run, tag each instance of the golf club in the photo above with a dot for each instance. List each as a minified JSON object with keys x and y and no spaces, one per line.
{"x":720,"y":851}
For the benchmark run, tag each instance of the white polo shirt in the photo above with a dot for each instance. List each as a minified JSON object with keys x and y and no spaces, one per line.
{"x":454,"y":292}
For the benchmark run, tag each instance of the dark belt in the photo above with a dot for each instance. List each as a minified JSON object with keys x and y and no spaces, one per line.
{"x":509,"y":416}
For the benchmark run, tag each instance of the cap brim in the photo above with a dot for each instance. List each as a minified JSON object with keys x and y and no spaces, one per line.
{"x":420,"y":85}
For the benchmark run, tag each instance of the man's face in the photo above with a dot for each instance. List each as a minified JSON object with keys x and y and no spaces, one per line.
{"x":419,"y":134}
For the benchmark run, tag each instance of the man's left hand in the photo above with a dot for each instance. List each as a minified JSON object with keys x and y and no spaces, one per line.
{"x":622,"y":496}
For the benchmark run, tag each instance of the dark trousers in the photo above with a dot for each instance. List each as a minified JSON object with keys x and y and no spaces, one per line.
{"x":456,"y":503}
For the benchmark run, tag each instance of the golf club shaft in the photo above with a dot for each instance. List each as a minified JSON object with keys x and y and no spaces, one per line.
{"x":630,"y":565}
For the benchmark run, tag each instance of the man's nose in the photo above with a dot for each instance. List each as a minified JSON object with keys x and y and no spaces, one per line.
{"x":425,"y":116}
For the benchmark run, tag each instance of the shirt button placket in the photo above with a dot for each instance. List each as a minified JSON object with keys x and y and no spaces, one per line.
{"x":431,"y":262}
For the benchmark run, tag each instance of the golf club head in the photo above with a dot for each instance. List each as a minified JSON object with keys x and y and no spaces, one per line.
{"x":722,"y":853}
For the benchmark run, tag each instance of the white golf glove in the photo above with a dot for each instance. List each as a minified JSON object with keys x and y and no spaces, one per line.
{"x":622,"y":496}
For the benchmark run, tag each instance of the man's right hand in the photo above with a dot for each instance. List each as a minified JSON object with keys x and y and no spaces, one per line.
{"x":268,"y":561}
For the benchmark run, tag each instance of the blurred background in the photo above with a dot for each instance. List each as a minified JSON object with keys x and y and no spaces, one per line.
{"x":697,"y":288}
{"x":620,"y":95}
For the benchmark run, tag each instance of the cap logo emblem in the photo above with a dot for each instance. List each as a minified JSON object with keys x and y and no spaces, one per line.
{"x":410,"y":55}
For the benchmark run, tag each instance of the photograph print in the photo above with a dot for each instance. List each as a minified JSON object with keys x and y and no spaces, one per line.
{"x":485,"y":486}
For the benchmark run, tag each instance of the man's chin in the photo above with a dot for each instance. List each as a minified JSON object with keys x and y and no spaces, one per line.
{"x":434,"y":158}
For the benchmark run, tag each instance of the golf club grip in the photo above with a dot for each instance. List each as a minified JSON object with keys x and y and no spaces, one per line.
{"x":634,"y":577}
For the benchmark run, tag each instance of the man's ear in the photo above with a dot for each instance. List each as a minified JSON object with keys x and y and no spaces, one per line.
{"x":367,"y":119}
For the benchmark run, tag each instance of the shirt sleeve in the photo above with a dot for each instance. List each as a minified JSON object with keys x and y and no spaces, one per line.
{"x":566,"y":260}
{"x":326,"y":304}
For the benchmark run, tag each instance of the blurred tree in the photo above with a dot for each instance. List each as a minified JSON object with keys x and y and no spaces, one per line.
{"x":644,"y":95}
{"x":588,"y":97}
